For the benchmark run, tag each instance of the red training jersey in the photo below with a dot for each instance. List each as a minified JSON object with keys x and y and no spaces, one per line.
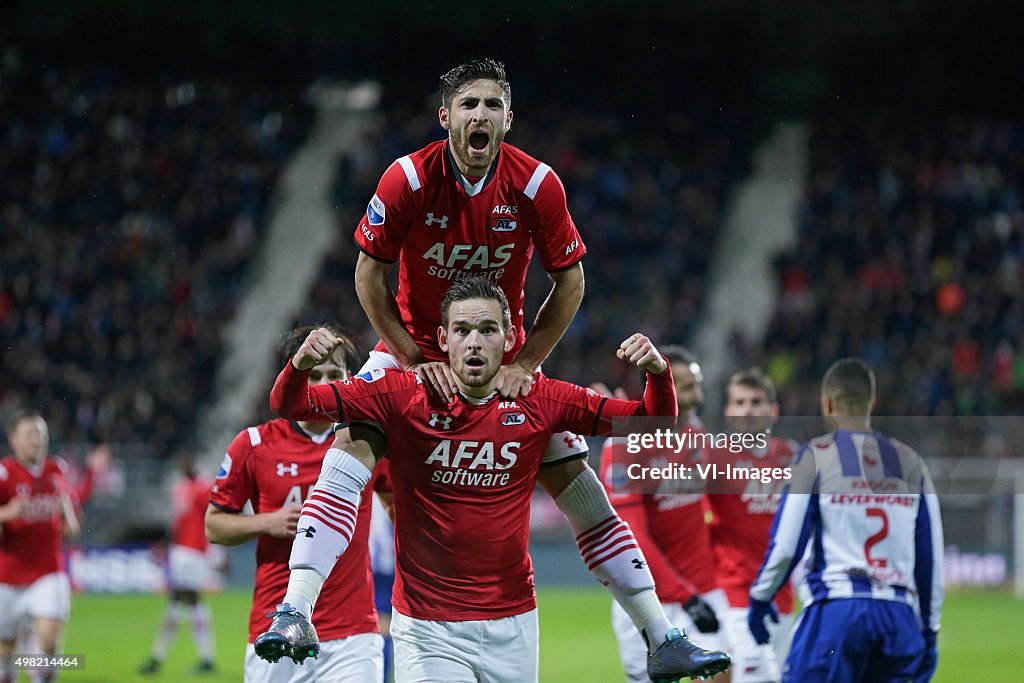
{"x":667,"y":516}
{"x":188,"y":512}
{"x":275,"y":465}
{"x":30,"y":544}
{"x":463,"y":476}
{"x":742,"y":514}
{"x":441,"y":227}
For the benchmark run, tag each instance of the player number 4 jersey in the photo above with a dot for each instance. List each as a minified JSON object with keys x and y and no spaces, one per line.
{"x":275,"y":465}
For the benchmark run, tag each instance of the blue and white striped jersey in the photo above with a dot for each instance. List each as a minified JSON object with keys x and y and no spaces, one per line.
{"x":864,"y":508}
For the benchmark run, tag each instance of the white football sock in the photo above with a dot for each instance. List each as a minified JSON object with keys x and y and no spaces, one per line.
{"x":202,"y":632}
{"x":168,"y":627}
{"x":325,"y":526}
{"x":612,"y":555}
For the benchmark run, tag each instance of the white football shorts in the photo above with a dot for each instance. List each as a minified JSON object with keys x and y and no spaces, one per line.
{"x":47,"y":597}
{"x":753,"y":663}
{"x":190,"y":569}
{"x":356,"y":659}
{"x":488,"y":651}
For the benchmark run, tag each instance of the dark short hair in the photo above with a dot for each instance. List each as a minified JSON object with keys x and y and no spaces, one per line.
{"x":453,"y":81}
{"x":475,"y":287}
{"x":16,"y":417}
{"x":676,"y":353}
{"x":754,"y":378}
{"x":850,"y":382}
{"x":346,"y":354}
{"x":679,"y":356}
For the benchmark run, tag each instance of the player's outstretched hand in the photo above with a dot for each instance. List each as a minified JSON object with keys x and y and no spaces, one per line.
{"x":513,"y":381}
{"x":317,"y":348}
{"x":641,"y":352}
{"x":282,"y":523}
{"x":437,"y":376}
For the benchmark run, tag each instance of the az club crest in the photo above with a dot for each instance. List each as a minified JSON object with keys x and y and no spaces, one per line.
{"x":513,"y":419}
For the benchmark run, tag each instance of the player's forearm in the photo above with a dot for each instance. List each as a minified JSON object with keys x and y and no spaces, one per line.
{"x":791,"y":533}
{"x":554,"y":317}
{"x":659,"y":401}
{"x":929,"y":552}
{"x":293,"y":398}
{"x":70,"y":526}
{"x":660,"y":395}
{"x":378,"y":301}
{"x":226,"y":528}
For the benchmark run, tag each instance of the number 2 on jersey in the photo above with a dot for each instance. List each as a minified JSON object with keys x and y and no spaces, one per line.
{"x":876,"y":562}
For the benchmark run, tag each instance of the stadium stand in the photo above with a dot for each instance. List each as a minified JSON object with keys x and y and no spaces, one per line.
{"x":127,"y":214}
{"x":910,"y":256}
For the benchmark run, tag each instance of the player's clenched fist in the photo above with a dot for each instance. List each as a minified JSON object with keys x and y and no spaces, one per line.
{"x":319,"y":345}
{"x":641,"y":352}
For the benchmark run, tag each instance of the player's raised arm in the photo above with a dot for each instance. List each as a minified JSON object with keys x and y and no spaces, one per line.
{"x":381,"y":307}
{"x":553,"y":319}
{"x":659,"y":398}
{"x":585,"y":411}
{"x":293,"y":397}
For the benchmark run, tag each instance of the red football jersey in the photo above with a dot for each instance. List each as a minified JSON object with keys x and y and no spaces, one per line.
{"x":274,"y":465}
{"x":463,"y":475}
{"x":30,"y":544}
{"x":441,"y":227}
{"x":742,"y":514}
{"x":188,"y":512}
{"x":667,"y":517}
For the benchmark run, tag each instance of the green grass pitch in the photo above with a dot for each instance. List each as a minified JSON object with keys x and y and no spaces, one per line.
{"x":981,"y":639}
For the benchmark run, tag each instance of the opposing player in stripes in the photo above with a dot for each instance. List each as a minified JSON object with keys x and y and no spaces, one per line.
{"x":865,"y":506}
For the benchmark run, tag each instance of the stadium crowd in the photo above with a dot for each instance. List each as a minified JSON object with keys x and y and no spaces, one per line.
{"x":127,"y":214}
{"x":910,"y":256}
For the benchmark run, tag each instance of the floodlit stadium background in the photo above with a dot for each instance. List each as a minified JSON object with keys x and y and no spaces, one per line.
{"x":776,"y":186}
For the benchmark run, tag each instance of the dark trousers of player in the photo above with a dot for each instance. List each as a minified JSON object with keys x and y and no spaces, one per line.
{"x":855,"y":640}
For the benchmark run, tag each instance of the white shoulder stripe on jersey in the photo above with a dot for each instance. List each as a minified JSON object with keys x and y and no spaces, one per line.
{"x":254,"y":436}
{"x":410,"y":172}
{"x":536,"y":180}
